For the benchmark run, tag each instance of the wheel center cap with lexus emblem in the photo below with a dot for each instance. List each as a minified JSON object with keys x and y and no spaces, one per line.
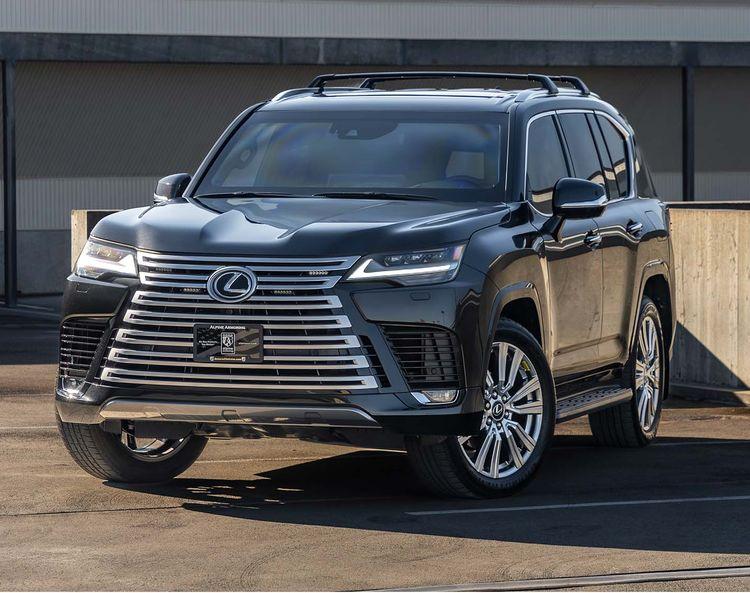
{"x":498,"y":410}
{"x":231,"y":284}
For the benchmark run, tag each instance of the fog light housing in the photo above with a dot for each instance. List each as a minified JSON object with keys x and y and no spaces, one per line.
{"x":71,"y":387}
{"x":436,"y":396}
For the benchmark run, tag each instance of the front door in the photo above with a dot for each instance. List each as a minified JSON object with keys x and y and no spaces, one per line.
{"x":570,"y":254}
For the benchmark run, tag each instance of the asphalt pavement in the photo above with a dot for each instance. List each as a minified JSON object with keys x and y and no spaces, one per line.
{"x":281,"y":514}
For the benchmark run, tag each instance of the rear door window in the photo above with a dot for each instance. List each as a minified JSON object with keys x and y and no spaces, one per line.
{"x":607,"y":167}
{"x":617,"y":148}
{"x":546,"y":163}
{"x":583,"y":153}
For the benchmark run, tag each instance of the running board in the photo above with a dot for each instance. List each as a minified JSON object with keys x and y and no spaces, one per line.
{"x":590,"y":401}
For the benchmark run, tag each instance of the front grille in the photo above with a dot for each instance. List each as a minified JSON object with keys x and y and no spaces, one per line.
{"x":308,"y":344}
{"x":79,"y":339}
{"x":429,"y":357}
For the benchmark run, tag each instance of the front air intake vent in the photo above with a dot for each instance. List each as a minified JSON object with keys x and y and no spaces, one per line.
{"x":429,"y":357}
{"x":79,"y":339}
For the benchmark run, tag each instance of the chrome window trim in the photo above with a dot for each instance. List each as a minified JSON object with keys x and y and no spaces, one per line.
{"x":622,"y":129}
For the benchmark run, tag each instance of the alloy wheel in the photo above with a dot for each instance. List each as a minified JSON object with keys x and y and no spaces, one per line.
{"x":149,"y":448}
{"x":647,"y":373}
{"x":513,"y":414}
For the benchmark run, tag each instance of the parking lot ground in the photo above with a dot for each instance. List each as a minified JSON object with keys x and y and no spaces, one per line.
{"x":283,"y":514}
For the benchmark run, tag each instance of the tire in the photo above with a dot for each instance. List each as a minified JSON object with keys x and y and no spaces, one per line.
{"x":623,"y":425}
{"x":103,"y":455}
{"x":455,"y":466}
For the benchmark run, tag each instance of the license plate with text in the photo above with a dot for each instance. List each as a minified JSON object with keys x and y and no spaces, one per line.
{"x":229,"y":342}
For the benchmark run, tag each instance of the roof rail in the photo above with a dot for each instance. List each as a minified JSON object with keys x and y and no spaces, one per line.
{"x":573,"y":81}
{"x":370,"y":78}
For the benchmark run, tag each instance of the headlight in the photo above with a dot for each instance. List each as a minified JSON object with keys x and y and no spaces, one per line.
{"x":98,"y":259}
{"x":411,"y":267}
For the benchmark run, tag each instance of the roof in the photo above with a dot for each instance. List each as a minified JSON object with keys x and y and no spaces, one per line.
{"x":321,"y":95}
{"x":356,"y":99}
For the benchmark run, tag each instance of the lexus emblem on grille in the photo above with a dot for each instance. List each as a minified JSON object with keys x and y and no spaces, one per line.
{"x":231,"y":284}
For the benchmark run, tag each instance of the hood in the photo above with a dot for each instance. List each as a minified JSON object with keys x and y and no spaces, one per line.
{"x":298,"y":226}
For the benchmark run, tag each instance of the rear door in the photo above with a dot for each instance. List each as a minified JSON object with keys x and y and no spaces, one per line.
{"x":574,"y":264}
{"x":621,"y":227}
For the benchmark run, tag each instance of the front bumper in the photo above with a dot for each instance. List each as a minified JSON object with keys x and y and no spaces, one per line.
{"x":393,"y":405}
{"x":381,"y":411}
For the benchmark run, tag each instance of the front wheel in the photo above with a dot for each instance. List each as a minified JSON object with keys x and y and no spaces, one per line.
{"x":126,"y":458}
{"x":515,"y":430}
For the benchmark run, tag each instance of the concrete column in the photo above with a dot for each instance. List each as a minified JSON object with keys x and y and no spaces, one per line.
{"x":9,"y":183}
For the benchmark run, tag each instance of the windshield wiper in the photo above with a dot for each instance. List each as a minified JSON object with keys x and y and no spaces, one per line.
{"x":373,"y":195}
{"x":249,"y":194}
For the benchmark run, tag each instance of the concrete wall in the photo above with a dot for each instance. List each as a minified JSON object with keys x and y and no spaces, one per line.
{"x":712,"y":269}
{"x":44,"y":261}
{"x":666,"y":20}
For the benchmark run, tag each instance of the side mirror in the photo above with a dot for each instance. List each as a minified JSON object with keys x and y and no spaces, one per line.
{"x":578,"y":198}
{"x":170,"y":187}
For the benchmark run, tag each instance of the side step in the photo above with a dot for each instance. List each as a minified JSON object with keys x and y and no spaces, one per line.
{"x":589,"y":401}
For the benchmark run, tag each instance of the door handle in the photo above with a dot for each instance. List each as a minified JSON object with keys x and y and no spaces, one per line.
{"x":592,"y":239}
{"x":634,"y":228}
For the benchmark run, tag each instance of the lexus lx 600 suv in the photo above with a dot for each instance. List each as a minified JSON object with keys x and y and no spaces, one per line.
{"x":452,"y":272}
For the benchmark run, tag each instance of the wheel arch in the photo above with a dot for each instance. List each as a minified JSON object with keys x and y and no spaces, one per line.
{"x":519,"y":302}
{"x":655,"y":284}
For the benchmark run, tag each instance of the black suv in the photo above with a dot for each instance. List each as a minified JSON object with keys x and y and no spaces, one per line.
{"x":451,"y":272}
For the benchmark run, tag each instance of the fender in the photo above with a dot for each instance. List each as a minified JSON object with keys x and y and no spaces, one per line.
{"x":655,"y":267}
{"x":506,"y":295}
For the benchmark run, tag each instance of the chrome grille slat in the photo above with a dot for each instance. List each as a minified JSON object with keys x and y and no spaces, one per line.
{"x":270,"y":362}
{"x":135,"y":336}
{"x":293,"y":301}
{"x":146,"y":278}
{"x":256,"y":382}
{"x":329,"y":303}
{"x":312,"y":322}
{"x":321,"y":284}
{"x":305,"y":347}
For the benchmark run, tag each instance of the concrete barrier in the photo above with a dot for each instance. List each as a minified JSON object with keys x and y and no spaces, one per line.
{"x":82,"y":223}
{"x":712,"y":274}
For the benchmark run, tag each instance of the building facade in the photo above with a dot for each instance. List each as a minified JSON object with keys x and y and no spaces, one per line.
{"x":109,"y":96}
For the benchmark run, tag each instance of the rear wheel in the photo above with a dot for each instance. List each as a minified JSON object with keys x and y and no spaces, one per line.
{"x":515,"y":430}
{"x":124,"y":457}
{"x":634,"y":423}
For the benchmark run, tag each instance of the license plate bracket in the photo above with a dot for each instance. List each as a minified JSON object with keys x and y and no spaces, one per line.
{"x":227,"y":342}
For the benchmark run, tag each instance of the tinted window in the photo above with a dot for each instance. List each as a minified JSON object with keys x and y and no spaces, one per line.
{"x":546,"y":163}
{"x":449,"y":156}
{"x":583,"y":155}
{"x":607,"y":167}
{"x":617,"y":153}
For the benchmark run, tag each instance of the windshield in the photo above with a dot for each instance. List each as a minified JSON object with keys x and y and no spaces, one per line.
{"x":446,"y":156}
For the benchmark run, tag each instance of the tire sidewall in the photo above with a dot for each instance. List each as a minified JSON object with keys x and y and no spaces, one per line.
{"x":648,"y":309}
{"x":513,"y":333}
{"x":137,"y":469}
